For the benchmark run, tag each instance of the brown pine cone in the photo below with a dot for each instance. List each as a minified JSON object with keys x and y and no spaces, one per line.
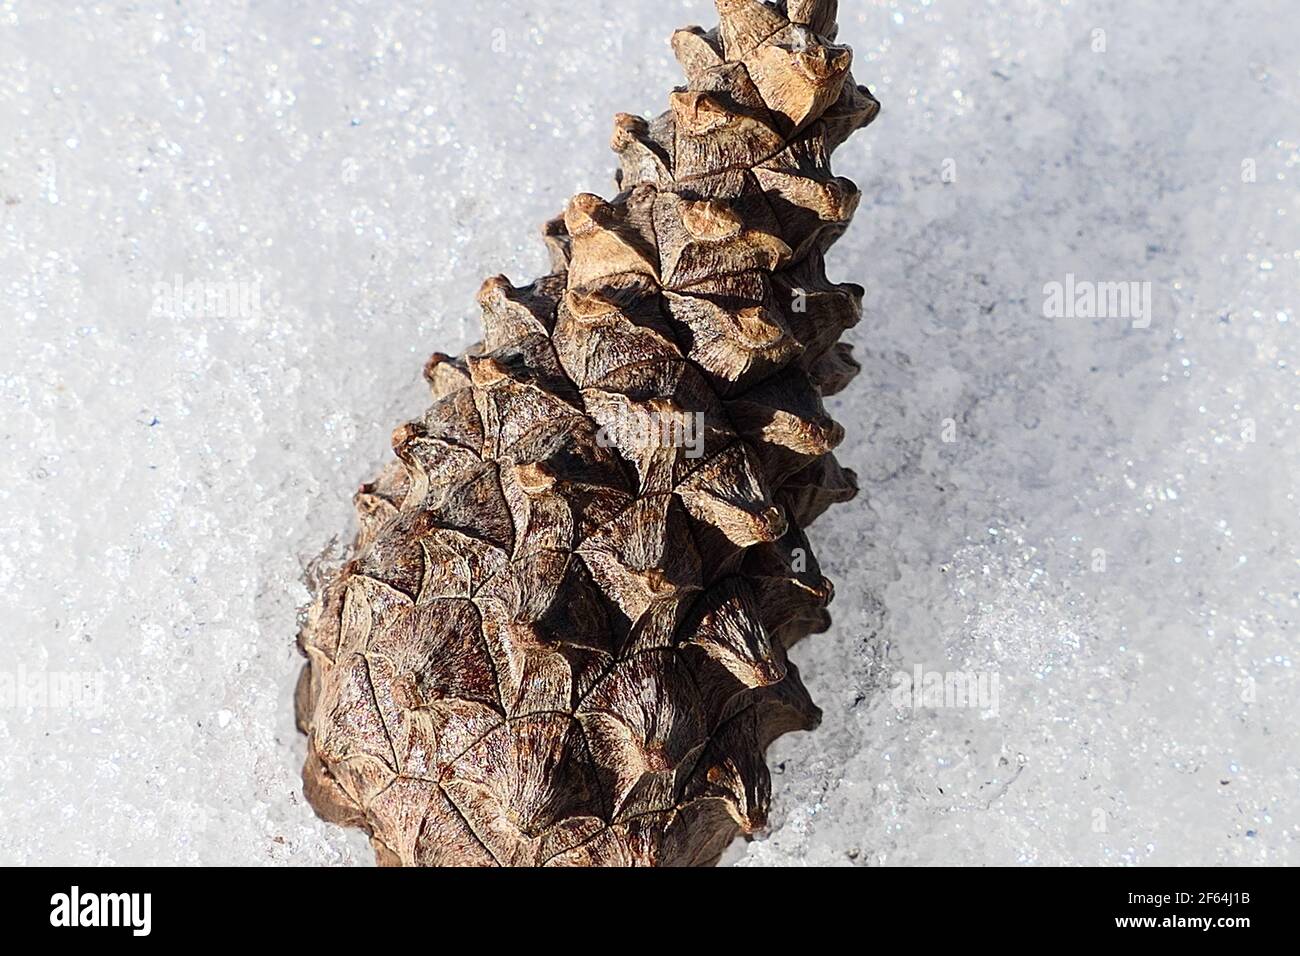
{"x":562,"y":635}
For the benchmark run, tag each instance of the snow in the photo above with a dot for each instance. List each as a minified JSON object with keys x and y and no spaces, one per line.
{"x":233,"y":231}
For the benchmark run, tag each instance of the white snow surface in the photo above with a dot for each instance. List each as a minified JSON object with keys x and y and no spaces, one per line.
{"x":1095,"y":519}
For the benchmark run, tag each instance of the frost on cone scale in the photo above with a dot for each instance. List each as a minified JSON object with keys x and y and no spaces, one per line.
{"x":562,"y":635}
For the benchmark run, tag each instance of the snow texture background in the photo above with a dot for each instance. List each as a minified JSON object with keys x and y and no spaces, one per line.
{"x":1101,"y":518}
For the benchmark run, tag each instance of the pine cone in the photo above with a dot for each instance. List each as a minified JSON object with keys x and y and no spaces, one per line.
{"x":562,"y":635}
